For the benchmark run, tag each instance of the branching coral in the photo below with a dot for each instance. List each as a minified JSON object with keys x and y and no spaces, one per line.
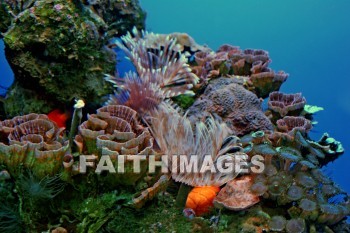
{"x":162,"y":72}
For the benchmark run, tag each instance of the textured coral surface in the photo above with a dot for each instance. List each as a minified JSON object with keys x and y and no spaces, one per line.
{"x":231,"y":103}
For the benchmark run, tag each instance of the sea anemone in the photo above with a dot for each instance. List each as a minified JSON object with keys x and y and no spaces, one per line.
{"x":270,"y":170}
{"x":295,"y":193}
{"x":296,"y":226}
{"x":276,"y":186}
{"x":258,"y":137}
{"x":329,"y":190}
{"x":309,"y":207}
{"x":319,"y":176}
{"x":305,"y":165}
{"x":277,"y":223}
{"x":328,"y":213}
{"x":289,"y":155}
{"x":305,"y":180}
{"x":265,"y":150}
{"x":259,"y":188}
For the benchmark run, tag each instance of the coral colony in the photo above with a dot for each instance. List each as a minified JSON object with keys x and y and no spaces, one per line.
{"x":181,"y":145}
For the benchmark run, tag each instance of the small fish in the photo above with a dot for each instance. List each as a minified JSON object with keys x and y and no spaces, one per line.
{"x":59,"y":117}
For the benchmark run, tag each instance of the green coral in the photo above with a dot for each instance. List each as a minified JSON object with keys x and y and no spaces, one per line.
{"x":310,"y":109}
{"x":184,"y":101}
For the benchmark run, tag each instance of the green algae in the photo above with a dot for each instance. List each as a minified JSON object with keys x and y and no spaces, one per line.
{"x":184,"y":101}
{"x":67,"y":55}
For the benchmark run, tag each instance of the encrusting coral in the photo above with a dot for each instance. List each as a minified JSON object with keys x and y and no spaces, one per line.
{"x":232,"y":104}
{"x":237,"y":195}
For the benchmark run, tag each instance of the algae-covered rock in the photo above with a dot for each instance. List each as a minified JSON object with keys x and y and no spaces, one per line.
{"x":57,"y":50}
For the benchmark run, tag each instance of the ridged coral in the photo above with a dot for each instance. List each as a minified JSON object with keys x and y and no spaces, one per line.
{"x":231,"y":103}
{"x":290,"y":125}
{"x":31,"y":143}
{"x":230,"y":60}
{"x":286,"y":104}
{"x":115,"y":131}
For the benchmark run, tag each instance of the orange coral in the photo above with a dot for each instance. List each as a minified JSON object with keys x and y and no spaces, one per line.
{"x":200,"y":199}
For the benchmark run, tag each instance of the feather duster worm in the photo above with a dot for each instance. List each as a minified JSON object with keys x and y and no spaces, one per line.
{"x":161,"y":73}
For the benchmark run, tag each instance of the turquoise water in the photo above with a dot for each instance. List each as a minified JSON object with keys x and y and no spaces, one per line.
{"x":307,"y":39}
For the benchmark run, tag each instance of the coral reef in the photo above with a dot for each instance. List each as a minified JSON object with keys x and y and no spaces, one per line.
{"x":33,"y":143}
{"x":230,"y":60}
{"x":232,"y":104}
{"x":286,"y":104}
{"x":68,"y":47}
{"x":98,"y":176}
{"x":290,"y":125}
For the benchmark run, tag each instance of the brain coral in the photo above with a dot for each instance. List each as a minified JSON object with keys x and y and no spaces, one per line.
{"x":239,"y":108}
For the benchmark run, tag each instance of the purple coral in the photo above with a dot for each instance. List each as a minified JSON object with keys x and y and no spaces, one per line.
{"x":58,"y":7}
{"x":291,"y":125}
{"x":239,"y":108}
{"x":286,"y":104}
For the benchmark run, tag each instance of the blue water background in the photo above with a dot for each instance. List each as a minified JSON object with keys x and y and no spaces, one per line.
{"x":310,"y":40}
